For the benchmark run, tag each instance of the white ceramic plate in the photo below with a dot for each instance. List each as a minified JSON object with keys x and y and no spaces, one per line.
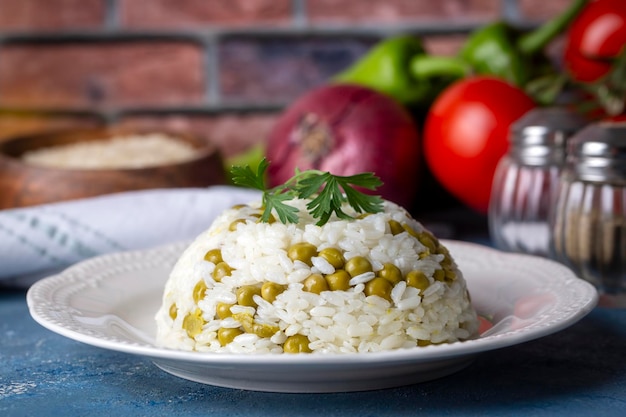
{"x":110,"y":302}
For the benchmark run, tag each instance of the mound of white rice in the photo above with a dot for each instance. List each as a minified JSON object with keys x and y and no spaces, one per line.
{"x":244,"y":286}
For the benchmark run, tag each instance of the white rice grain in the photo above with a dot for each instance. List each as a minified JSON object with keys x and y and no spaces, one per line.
{"x":322,"y":265}
{"x":362,"y":278}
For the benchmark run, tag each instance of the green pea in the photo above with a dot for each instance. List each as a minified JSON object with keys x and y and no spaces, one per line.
{"x":410,"y":230}
{"x":227,"y":335}
{"x":297,"y":344}
{"x":444,"y":251}
{"x":303,"y":252}
{"x":439,"y":275}
{"x":338,"y":280}
{"x":199,"y":291}
{"x":223,"y":310}
{"x":246,"y":320}
{"x":245,"y":295}
{"x":358,"y":265}
{"x":395,"y":227}
{"x":446,"y":261}
{"x":429,"y":241}
{"x":221,"y":270}
{"x":380,"y":287}
{"x":214,"y":255}
{"x":417,"y":279}
{"x":271,"y":290}
{"x":315,"y":283}
{"x":271,"y":219}
{"x":391,"y":273}
{"x":233,"y":225}
{"x":264,"y":330}
{"x":450,"y":274}
{"x":333,"y":256}
{"x":193,"y":323}
{"x":173,"y":311}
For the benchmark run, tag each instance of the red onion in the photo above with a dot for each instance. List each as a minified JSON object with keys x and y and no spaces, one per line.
{"x":346,"y":130}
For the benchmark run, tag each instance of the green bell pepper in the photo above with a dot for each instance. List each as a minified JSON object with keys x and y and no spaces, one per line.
{"x":385,"y":69}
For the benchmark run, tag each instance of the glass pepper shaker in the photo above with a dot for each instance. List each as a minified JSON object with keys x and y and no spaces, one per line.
{"x":589,"y":225}
{"x":526,"y":179}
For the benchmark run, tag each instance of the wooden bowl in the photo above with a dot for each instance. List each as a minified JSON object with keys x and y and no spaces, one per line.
{"x":23,"y":184}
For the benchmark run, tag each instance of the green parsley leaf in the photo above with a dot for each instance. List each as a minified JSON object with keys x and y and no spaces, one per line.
{"x":286,"y":213}
{"x":245,"y":177}
{"x":329,"y":199}
{"x":361,"y":202}
{"x":327,"y":192}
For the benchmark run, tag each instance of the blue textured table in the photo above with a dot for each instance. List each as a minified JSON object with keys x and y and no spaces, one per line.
{"x":579,"y":371}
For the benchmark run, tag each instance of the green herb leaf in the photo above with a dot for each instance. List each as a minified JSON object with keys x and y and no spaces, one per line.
{"x":364,"y":203}
{"x":328,"y":192}
{"x":311,"y":184}
{"x":286,"y":213}
{"x":328,"y":201}
{"x":245,"y":177}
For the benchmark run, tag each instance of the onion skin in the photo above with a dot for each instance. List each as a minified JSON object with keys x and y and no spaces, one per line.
{"x":346,"y":130}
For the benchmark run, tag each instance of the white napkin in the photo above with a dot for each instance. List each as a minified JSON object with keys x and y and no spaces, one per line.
{"x":41,"y":240}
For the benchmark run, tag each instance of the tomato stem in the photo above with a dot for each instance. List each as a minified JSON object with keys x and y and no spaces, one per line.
{"x":536,"y":40}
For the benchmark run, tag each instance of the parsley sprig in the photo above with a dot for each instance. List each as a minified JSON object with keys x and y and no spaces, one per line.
{"x":327,"y":193}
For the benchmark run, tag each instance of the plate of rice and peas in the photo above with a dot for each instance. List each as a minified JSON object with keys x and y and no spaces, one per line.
{"x":316,"y":287}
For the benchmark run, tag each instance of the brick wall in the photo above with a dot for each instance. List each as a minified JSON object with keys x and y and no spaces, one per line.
{"x":219,"y":68}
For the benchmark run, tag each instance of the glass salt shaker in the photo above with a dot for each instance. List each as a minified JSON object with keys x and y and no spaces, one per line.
{"x":526,"y":180}
{"x":589,"y":225}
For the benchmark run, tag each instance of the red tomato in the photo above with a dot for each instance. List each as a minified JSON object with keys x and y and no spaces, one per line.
{"x":484,"y":324}
{"x":466,"y":134}
{"x":597,"y":35}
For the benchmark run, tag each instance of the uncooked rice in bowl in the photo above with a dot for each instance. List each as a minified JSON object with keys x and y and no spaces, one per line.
{"x":375,"y":283}
{"x":122,"y":151}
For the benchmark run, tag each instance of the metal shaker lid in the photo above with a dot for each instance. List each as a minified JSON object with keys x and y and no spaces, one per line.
{"x":539,"y":136}
{"x":547,"y":126}
{"x":598,"y":152}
